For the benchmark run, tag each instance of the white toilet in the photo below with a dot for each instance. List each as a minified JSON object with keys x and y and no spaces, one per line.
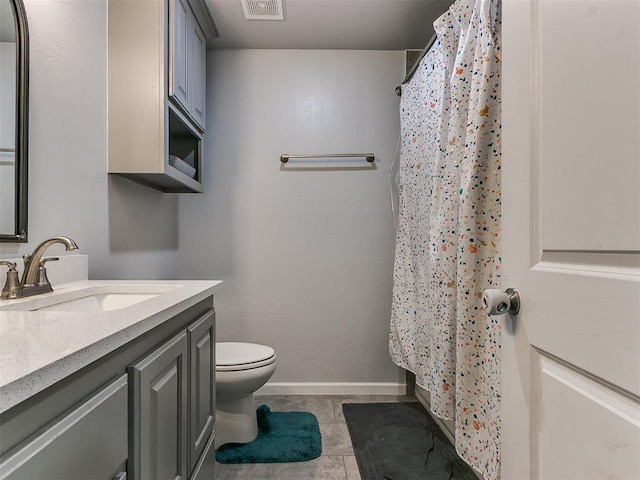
{"x":241,"y":369}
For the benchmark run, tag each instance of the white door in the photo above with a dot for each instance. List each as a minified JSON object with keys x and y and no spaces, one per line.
{"x":571,"y":243}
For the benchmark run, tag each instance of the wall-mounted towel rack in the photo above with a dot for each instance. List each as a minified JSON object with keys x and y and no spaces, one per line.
{"x":7,"y":150}
{"x":284,"y":158}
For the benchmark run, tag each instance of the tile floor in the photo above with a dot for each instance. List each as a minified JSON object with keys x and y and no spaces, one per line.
{"x":337,"y":461}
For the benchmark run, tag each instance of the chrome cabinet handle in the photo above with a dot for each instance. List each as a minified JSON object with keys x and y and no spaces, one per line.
{"x":498,"y":302}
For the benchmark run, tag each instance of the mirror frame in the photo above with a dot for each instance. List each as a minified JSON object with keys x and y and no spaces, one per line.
{"x":19,"y":235}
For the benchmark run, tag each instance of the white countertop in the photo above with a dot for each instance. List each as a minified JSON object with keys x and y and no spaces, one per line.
{"x":40,"y":348}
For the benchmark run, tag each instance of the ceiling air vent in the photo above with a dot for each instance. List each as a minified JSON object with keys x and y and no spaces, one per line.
{"x":262,"y":9}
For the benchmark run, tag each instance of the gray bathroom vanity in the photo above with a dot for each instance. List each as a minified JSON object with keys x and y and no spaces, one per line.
{"x":109,"y":380}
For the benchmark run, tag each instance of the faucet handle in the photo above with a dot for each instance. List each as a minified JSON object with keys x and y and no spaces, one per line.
{"x":12,"y":287}
{"x":43,"y":281}
{"x":48,"y":259}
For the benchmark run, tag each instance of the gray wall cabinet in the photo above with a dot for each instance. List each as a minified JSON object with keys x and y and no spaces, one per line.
{"x":156,"y":98}
{"x":145,"y":410}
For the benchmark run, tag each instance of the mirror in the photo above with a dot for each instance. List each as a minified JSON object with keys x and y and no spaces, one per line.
{"x":14,"y":93}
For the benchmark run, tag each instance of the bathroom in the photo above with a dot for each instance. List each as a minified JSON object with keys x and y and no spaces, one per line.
{"x":306,"y":256}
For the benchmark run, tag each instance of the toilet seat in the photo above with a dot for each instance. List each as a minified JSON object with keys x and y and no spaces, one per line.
{"x":237,"y":356}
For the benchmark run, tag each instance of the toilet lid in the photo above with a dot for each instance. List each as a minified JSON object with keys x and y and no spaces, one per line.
{"x":247,"y":355}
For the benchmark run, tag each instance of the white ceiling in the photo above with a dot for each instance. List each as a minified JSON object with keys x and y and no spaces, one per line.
{"x":330,"y":24}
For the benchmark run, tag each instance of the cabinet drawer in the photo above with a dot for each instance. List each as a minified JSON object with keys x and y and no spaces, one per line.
{"x":89,"y":442}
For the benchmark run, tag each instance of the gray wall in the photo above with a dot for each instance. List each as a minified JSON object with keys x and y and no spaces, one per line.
{"x":128,"y":231}
{"x":306,"y":256}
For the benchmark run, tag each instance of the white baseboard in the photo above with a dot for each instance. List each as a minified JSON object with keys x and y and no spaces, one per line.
{"x":333,"y":389}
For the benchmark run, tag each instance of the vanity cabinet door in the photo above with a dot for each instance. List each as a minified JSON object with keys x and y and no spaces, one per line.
{"x":202,"y":388}
{"x":158,"y":448}
{"x":88,"y":442}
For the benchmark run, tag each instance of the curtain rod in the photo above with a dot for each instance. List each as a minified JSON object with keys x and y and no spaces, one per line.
{"x":416,"y":64}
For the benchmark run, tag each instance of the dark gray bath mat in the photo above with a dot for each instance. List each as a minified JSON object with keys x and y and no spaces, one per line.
{"x":400,"y":441}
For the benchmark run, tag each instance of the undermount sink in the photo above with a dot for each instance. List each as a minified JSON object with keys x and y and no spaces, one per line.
{"x":97,"y":298}
{"x":99,"y":303}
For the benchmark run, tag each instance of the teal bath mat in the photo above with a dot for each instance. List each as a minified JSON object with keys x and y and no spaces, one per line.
{"x":282,"y":437}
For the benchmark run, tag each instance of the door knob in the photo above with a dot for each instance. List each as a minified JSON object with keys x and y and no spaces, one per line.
{"x":498,"y":302}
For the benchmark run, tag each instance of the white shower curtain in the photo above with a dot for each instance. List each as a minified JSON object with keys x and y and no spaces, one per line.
{"x":449,"y":228}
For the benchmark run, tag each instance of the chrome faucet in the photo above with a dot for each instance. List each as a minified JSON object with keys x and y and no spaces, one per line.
{"x":34,"y":278}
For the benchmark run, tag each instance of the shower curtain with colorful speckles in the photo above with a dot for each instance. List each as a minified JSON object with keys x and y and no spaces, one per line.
{"x":449,"y":229}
